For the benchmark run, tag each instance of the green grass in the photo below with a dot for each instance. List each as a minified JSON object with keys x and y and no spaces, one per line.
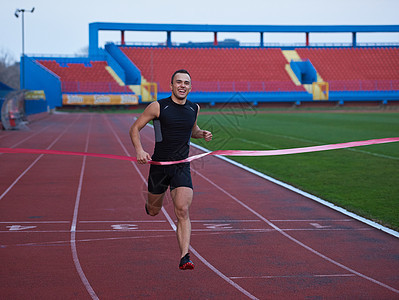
{"x":364,"y":180}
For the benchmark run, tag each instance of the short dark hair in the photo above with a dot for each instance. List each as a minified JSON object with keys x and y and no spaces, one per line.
{"x":179,"y":71}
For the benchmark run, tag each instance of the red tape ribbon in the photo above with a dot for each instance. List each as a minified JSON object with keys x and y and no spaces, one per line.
{"x":218,"y":152}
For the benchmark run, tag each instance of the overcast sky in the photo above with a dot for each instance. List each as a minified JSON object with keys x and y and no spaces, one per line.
{"x":61,"y":27}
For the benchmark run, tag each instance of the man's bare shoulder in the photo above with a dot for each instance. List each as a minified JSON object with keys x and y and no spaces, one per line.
{"x":152,"y":109}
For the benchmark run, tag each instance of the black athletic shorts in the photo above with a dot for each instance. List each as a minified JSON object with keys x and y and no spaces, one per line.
{"x":160,"y":177}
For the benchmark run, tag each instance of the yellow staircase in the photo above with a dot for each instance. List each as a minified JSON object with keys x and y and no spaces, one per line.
{"x":147,"y":90}
{"x":114,"y":75}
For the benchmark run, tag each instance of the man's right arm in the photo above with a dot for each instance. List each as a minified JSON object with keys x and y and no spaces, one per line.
{"x":151,"y":112}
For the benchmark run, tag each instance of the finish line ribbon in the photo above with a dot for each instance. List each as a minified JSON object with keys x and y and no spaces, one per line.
{"x":217,"y":152}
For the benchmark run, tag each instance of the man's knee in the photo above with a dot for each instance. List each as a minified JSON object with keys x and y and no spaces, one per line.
{"x":152,"y":210}
{"x":154,"y":204}
{"x":181,"y":211}
{"x":182,"y":198}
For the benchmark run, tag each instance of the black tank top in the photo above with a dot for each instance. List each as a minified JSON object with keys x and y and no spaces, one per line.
{"x":173,"y":130}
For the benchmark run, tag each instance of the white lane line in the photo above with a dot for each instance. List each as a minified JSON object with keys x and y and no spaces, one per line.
{"x":35,"y":222}
{"x":35,"y":161}
{"x":94,"y":230}
{"x":78,"y":193}
{"x":28,"y":137}
{"x":305,"y":194}
{"x":209,"y":265}
{"x":295,"y":240}
{"x":315,"y":220}
{"x":74,"y":251}
{"x":142,"y":221}
{"x":224,"y":221}
{"x":293,"y":276}
{"x":172,"y":224}
{"x":225,"y":230}
{"x":67,"y":242}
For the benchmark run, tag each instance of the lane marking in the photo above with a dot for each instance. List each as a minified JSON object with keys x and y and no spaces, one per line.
{"x":19,"y":227}
{"x":316,"y":220}
{"x":142,"y":221}
{"x":28,"y":137}
{"x":36,"y":222}
{"x":74,"y":251}
{"x":125,"y":227}
{"x":318,"y":226}
{"x":223,"y":221}
{"x":199,"y":230}
{"x":293,"y":276}
{"x":36,"y":160}
{"x":66,"y":242}
{"x":297,"y":241}
{"x":223,"y":226}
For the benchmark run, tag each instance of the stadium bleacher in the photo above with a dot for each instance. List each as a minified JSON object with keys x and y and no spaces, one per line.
{"x":237,"y":69}
{"x":83,"y":77}
{"x":216,"y":69}
{"x":356,"y":69}
{"x":221,"y":72}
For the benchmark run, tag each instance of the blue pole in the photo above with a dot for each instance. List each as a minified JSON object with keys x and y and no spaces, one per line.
{"x":353,"y":39}
{"x":261,"y":39}
{"x":169,"y":39}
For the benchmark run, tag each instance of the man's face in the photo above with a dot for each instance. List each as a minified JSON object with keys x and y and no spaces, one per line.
{"x":181,"y":85}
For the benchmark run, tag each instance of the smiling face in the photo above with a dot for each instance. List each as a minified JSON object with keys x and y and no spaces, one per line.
{"x":180,"y":86}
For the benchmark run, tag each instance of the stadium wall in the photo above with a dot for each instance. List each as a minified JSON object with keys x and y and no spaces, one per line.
{"x":39,"y":78}
{"x":254,"y":98}
{"x":294,"y":98}
{"x":383,"y":96}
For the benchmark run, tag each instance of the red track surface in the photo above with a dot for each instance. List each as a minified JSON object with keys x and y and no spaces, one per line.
{"x":75,"y":228}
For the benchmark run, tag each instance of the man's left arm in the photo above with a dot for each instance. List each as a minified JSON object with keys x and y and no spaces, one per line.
{"x":198,"y":133}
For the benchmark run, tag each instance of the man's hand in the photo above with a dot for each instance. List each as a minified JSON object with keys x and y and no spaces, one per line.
{"x":143,"y":157}
{"x":207,"y":135}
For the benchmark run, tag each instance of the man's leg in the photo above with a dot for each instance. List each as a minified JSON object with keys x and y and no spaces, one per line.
{"x":154,"y":203}
{"x":157,"y":187}
{"x":182,"y":198}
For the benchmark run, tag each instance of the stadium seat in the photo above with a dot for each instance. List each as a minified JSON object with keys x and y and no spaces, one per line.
{"x":355,"y":69}
{"x":215,"y":69}
{"x":83,"y":77}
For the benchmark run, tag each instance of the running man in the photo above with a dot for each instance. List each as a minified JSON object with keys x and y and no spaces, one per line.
{"x":175,"y":122}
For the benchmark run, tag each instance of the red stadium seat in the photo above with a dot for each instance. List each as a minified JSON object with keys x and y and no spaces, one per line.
{"x":355,"y":69}
{"x":214,"y":69}
{"x":90,"y":77}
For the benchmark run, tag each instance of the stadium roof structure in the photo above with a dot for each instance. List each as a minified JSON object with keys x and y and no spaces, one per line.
{"x":95,"y":27}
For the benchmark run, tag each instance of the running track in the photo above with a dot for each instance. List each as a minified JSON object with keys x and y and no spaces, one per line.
{"x":75,"y":228}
